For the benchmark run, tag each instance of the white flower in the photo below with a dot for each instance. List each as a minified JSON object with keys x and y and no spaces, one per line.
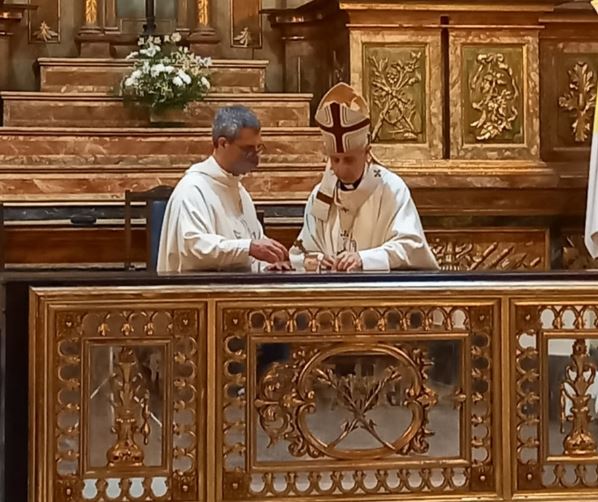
{"x":157,"y":69}
{"x":178,"y":81}
{"x":157,"y":40}
{"x":141,"y":42}
{"x":169,"y":69}
{"x":205,"y":82}
{"x":136,"y":74}
{"x":151,"y":51}
{"x":130,"y":82}
{"x":176,"y":37}
{"x":146,"y":68}
{"x":184,"y":76}
{"x":167,"y":38}
{"x":133,"y":55}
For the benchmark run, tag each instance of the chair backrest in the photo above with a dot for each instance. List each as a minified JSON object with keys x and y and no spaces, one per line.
{"x":154,"y":202}
{"x":260,"y":218}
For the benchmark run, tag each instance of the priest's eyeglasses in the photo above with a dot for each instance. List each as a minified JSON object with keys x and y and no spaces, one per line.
{"x":251,"y":150}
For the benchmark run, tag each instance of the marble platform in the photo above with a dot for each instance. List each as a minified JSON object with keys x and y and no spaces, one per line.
{"x":81,"y":110}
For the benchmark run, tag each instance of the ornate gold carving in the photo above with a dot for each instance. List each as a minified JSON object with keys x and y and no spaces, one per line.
{"x":494,"y":95}
{"x":575,"y":254}
{"x":244,"y":38}
{"x":580,"y":100}
{"x":288,"y":394}
{"x":132,"y":400}
{"x":461,"y":255}
{"x":91,"y":12}
{"x":175,"y":400}
{"x":392,"y":84}
{"x":332,"y":369}
{"x":580,"y":374}
{"x":44,"y":33}
{"x":203,"y":12}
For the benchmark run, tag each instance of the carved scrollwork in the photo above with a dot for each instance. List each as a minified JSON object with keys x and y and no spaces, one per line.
{"x":288,"y":394}
{"x":136,"y":342}
{"x":131,"y":411}
{"x":468,"y":255}
{"x":494,"y":95}
{"x":580,"y":100}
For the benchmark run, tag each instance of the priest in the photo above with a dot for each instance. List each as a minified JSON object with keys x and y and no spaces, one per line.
{"x":210,"y":221}
{"x":361,"y":216}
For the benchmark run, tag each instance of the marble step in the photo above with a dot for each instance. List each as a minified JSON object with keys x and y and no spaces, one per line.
{"x":85,"y":184}
{"x":24,"y":109}
{"x":30,"y":148}
{"x":102,"y":75}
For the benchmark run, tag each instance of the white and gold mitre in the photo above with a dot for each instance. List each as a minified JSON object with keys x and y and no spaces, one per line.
{"x":344,"y":119}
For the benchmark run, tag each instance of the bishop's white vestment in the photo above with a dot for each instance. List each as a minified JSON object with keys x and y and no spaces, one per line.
{"x":378,"y":219}
{"x":209,"y":223}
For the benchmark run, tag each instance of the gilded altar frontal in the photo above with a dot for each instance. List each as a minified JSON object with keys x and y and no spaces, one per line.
{"x":476,"y":392}
{"x":298,"y":250}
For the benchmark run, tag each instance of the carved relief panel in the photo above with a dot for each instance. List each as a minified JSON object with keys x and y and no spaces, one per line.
{"x":569,"y":98}
{"x":400,"y":75}
{"x":340,"y":401}
{"x":246,"y":24}
{"x":491,"y":249}
{"x":494,"y":87}
{"x":44,"y":22}
{"x":123,"y":409}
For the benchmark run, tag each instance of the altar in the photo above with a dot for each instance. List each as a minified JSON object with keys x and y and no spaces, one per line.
{"x":294,"y":387}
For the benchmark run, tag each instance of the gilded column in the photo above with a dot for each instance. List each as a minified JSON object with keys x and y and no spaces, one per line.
{"x":91,"y":16}
{"x":204,"y":39}
{"x":91,"y":37}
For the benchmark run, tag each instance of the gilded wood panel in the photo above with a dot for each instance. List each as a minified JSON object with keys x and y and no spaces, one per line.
{"x":568,"y":99}
{"x":310,"y":403}
{"x":246,"y":24}
{"x":494,"y":95}
{"x":554,"y":342}
{"x":400,"y":75}
{"x":44,"y":23}
{"x":123,"y":412}
{"x":575,"y":253}
{"x":491,"y":249}
{"x":317,"y":392}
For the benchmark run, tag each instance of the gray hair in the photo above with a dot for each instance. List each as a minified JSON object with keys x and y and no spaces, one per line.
{"x":229,"y":121}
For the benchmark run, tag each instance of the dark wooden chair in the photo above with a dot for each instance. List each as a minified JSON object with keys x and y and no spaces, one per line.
{"x":154,"y":203}
{"x":260,"y":218}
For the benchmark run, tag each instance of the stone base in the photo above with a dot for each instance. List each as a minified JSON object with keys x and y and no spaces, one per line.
{"x":204,"y":41}
{"x":97,"y":75}
{"x":93,"y":44}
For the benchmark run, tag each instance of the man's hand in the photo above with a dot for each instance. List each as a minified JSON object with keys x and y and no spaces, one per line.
{"x":268,"y":250}
{"x":348,"y":262}
{"x":328,"y":262}
{"x":281,"y":266}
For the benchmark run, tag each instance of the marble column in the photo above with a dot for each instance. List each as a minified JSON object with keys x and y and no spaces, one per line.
{"x":204,"y":39}
{"x":91,"y":37}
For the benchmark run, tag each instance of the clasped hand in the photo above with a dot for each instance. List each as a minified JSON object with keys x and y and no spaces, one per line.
{"x":347,"y":261}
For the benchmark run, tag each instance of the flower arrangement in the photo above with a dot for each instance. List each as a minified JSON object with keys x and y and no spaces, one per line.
{"x":165,"y":75}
